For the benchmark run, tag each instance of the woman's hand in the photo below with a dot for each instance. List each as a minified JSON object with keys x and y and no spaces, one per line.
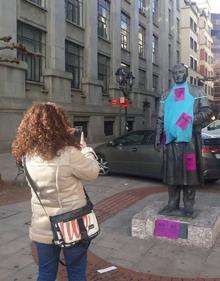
{"x":82,"y":141}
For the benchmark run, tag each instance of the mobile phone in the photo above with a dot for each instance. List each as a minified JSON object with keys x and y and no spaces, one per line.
{"x":77,"y":134}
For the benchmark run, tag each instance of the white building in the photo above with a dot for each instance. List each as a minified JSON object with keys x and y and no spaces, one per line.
{"x":190,"y":52}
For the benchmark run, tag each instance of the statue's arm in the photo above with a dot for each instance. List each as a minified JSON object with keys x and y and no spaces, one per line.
{"x":159,"y":124}
{"x":203,"y":111}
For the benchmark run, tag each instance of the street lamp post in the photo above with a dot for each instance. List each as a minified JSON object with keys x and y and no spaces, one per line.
{"x":125,"y":81}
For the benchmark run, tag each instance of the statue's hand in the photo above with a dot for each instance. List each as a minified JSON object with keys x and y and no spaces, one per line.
{"x":157,"y":145}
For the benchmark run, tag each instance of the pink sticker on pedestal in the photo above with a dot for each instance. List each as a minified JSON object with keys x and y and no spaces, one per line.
{"x":184,"y":120}
{"x":190,"y":162}
{"x":166,"y":228}
{"x":173,"y":230}
{"x":179,"y":94}
{"x":160,"y":228}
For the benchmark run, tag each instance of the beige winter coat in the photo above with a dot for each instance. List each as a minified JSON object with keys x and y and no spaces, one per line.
{"x":60,"y":186}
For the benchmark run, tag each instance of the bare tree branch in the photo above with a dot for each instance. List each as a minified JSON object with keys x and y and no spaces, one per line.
{"x":5,"y":38}
{"x":12,"y":46}
{"x":14,"y":60}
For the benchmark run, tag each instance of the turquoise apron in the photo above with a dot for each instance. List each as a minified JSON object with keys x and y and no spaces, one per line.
{"x":178,"y":114}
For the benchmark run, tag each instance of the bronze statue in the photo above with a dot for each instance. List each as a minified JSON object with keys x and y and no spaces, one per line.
{"x":183,"y":111}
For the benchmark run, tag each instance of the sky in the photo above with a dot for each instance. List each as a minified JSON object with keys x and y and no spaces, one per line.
{"x":215,"y":6}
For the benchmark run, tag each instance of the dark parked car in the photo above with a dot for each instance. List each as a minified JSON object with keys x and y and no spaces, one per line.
{"x":134,"y":154}
{"x":212,"y":130}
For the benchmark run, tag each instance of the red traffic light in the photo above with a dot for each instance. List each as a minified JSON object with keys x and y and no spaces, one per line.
{"x":115,"y":102}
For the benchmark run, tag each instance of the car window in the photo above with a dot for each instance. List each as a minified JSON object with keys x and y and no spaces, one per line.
{"x":214,"y":126}
{"x":150,"y":138}
{"x":131,"y":139}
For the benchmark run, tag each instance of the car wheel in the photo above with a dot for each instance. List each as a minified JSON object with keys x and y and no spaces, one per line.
{"x":103,"y":164}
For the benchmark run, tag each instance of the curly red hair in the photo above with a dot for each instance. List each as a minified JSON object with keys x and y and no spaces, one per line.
{"x":43,"y":131}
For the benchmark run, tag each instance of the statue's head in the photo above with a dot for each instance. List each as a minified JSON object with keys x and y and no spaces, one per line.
{"x":180,"y":73}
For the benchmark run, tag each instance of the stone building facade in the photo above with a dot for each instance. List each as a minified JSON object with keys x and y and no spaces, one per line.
{"x":82,"y":43}
{"x":206,"y":54}
{"x":216,"y":52}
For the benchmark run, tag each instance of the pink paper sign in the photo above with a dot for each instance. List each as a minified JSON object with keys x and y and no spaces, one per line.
{"x":190,"y":161}
{"x":183,"y":121}
{"x":166,"y":228}
{"x":179,"y":94}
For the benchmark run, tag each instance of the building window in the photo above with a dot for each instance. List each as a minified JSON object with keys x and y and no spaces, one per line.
{"x":177,"y":4}
{"x":191,"y":80}
{"x":108,"y":128}
{"x":103,"y":18}
{"x":141,"y":41}
{"x":125,"y":31}
{"x":195,"y":47}
{"x":74,"y":11}
{"x":155,"y":82}
{"x":155,"y":11}
{"x":104,"y":71}
{"x":195,"y":65}
{"x":142,"y":79}
{"x":83,"y":125}
{"x":191,"y":62}
{"x":141,"y":6}
{"x":195,"y":27}
{"x":39,"y":2}
{"x":130,"y":126}
{"x":155,"y":50}
{"x":34,"y":41}
{"x":191,"y":43}
{"x":178,"y":56}
{"x":170,"y":56}
{"x":170,"y":20}
{"x":73,"y":57}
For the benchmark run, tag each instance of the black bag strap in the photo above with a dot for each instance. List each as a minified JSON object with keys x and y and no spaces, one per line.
{"x":32,"y":184}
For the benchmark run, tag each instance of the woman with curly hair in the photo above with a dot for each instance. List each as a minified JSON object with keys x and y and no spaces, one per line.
{"x":57,"y":163}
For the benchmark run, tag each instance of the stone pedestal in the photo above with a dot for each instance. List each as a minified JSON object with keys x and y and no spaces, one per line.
{"x":201,"y":231}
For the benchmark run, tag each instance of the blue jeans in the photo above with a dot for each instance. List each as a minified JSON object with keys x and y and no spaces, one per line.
{"x":48,"y":260}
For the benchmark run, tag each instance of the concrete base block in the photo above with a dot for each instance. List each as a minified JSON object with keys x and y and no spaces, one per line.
{"x":201,"y":231}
